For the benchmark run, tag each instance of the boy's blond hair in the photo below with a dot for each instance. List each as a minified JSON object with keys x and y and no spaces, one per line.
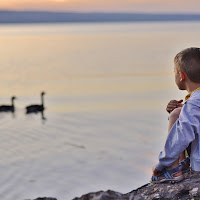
{"x":188,"y":61}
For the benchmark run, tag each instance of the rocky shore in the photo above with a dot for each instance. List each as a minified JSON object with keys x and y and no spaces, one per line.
{"x":189,"y":188}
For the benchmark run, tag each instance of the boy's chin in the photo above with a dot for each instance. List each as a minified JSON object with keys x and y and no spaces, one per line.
{"x":181,"y":87}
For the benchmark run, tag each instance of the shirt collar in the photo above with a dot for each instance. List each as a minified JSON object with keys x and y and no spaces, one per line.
{"x":188,"y":96}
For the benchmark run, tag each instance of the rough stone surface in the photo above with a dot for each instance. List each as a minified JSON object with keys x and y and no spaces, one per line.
{"x":45,"y":198}
{"x":189,"y":188}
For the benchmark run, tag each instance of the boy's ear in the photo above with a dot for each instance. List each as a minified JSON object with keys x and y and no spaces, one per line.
{"x":182,"y":76}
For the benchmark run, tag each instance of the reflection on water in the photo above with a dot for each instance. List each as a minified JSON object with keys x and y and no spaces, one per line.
{"x":74,"y":59}
{"x":43,"y":118}
{"x":76,"y":150}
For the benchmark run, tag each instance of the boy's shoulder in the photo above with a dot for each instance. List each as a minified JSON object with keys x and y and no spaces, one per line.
{"x":194,"y":99}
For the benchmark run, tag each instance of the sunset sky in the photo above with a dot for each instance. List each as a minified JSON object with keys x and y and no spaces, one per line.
{"x":157,"y":6}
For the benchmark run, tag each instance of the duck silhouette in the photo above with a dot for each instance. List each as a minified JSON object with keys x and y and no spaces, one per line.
{"x":36,"y":108}
{"x":8,"y":108}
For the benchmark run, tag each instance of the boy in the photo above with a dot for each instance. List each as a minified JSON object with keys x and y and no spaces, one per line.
{"x":184,"y":121}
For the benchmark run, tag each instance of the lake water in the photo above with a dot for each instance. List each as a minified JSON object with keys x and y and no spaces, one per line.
{"x":107,"y":86}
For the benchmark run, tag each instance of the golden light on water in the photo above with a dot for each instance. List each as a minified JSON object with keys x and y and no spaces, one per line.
{"x":62,"y":61}
{"x":90,"y":67}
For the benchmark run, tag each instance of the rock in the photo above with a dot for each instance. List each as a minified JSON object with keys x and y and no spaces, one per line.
{"x":189,"y":188}
{"x":45,"y":198}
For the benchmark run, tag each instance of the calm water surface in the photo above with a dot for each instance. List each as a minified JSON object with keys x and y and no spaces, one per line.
{"x":107,"y":87}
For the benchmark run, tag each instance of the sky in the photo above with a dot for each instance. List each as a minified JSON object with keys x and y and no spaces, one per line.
{"x":147,"y":6}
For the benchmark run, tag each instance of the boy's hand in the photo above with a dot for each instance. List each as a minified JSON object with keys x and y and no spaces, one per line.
{"x":174,"y":104}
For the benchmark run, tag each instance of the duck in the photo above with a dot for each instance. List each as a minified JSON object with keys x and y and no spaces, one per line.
{"x":8,"y":108}
{"x":36,"y":108}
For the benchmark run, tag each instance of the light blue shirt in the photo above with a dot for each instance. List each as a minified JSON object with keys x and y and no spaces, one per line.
{"x":185,"y":130}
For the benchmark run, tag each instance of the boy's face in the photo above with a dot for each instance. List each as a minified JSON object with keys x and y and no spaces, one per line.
{"x":178,"y":79}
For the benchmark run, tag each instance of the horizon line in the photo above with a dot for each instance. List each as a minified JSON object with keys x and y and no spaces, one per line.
{"x":101,"y":12}
{"x":36,"y":16}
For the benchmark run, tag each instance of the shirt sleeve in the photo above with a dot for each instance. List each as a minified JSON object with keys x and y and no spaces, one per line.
{"x":180,"y":136}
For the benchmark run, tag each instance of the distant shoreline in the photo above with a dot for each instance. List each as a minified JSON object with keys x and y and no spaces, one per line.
{"x":15,"y":17}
